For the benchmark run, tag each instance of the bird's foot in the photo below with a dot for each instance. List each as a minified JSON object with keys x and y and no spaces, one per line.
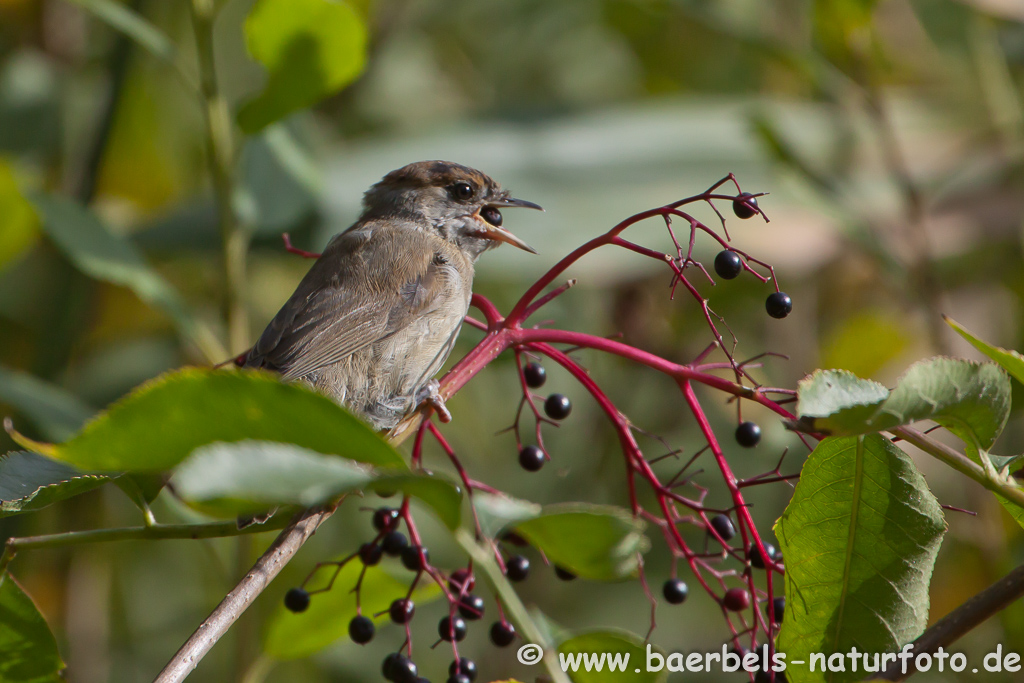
{"x":244,"y":521}
{"x":430,"y":395}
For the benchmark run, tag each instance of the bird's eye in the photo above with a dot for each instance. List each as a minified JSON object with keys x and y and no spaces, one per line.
{"x":491,"y":215}
{"x":462,"y":190}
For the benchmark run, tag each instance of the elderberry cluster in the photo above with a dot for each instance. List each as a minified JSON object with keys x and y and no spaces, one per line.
{"x":467,"y":606}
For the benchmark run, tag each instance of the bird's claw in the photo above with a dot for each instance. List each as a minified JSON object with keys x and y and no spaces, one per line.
{"x":431,"y":395}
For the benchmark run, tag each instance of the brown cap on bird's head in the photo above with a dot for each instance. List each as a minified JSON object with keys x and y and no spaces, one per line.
{"x":438,"y":190}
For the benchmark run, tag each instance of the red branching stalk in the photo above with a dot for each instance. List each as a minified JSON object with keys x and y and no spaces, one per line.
{"x":504,"y":332}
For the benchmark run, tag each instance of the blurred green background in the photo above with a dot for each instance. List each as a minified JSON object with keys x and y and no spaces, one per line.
{"x":890,"y":136}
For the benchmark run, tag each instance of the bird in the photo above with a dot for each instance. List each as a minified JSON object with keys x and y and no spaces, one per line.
{"x":376,"y":316}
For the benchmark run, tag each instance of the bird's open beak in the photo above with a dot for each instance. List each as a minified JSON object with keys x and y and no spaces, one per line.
{"x":500,"y":234}
{"x":518,"y":203}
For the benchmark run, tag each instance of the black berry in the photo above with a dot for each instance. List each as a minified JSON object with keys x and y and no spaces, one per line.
{"x":517,"y":568}
{"x":471,"y":607}
{"x":748,"y":434}
{"x":778,"y":305}
{"x":723,"y":525}
{"x":535,"y":375}
{"x":387,"y":667}
{"x":763,"y":676}
{"x":459,"y":678}
{"x":491,"y":215}
{"x":401,"y":611}
{"x":370,"y":553}
{"x":502,"y":633}
{"x":411,"y":558}
{"x":296,"y":600}
{"x":755,"y":557}
{"x":675,"y":591}
{"x":736,"y":599}
{"x":385,"y":519}
{"x":361,"y":629}
{"x":465,"y":667}
{"x":399,"y":669}
{"x":394,"y":542}
{"x":779,"y":608}
{"x":452,"y":629}
{"x":531,"y":458}
{"x":744,"y":206}
{"x":557,"y":407}
{"x":728,"y":264}
{"x":461,"y":579}
{"x":564,"y":574}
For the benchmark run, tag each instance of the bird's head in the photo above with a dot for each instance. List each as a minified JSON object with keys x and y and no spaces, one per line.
{"x":460,"y":203}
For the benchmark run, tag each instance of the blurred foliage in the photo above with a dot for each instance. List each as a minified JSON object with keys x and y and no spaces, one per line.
{"x":310,"y":49}
{"x":889,"y":134}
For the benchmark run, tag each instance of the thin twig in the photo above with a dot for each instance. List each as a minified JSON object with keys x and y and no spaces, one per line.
{"x":960,"y":621}
{"x":156,"y":532}
{"x":961,"y":463}
{"x":248,"y":589}
{"x":220,"y":152}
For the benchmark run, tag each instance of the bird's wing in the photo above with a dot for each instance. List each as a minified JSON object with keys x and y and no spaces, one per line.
{"x":366,"y":286}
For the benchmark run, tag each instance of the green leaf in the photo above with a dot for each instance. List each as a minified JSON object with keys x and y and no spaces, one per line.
{"x":159,"y":424}
{"x":860,"y":537}
{"x":443,"y":496}
{"x":310,"y":48}
{"x":597,"y":542}
{"x":28,"y":650}
{"x":56,"y":412}
{"x":19,"y":224}
{"x":292,"y":636}
{"x":592,"y":647}
{"x":30,"y":482}
{"x":497,"y":511}
{"x":252,"y":476}
{"x":1013,"y":363}
{"x":828,"y":393}
{"x":142,"y":487}
{"x":102,"y":255}
{"x":1009,"y":360}
{"x":970,"y":399}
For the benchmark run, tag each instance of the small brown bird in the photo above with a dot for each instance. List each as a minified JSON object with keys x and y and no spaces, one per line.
{"x":376,"y":316}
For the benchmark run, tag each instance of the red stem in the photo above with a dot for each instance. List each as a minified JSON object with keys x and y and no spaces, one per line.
{"x":501,"y":333}
{"x":742,"y":510}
